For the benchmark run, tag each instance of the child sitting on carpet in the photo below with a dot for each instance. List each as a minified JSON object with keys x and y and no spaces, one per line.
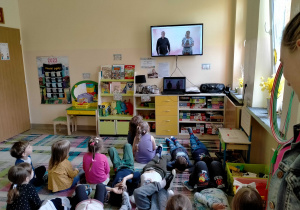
{"x":133,"y":123}
{"x":22,"y":150}
{"x":144,"y":145}
{"x":61,"y":176}
{"x":180,"y":159}
{"x":22,"y":195}
{"x":95,"y":164}
{"x":207,"y":172}
{"x":179,"y":202}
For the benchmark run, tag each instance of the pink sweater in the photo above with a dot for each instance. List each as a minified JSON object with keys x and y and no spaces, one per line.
{"x":100,"y":169}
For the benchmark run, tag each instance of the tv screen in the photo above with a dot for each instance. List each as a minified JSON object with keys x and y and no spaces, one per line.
{"x":177,"y":40}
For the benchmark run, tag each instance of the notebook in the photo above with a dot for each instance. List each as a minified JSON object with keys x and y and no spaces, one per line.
{"x":173,"y":85}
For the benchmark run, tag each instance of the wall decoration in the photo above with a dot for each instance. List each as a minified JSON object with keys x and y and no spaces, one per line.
{"x":4,"y":51}
{"x":54,"y":80}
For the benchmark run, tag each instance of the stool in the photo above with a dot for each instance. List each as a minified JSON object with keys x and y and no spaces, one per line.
{"x":62,"y":120}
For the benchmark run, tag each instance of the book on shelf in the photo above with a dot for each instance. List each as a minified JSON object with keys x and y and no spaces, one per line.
{"x":123,"y":87}
{"x":129,"y":88}
{"x":106,"y":71}
{"x":115,"y":87}
{"x":129,"y":71}
{"x":105,"y":87}
{"x":117,"y":72}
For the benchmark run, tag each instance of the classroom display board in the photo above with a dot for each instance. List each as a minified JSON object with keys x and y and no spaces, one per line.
{"x":54,"y":80}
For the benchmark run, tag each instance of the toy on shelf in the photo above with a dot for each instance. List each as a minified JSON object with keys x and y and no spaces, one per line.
{"x":118,"y":107}
{"x":106,"y":108}
{"x":123,"y":108}
{"x":113,"y":108}
{"x":129,"y":107}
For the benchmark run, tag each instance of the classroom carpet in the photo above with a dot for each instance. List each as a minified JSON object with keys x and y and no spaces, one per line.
{"x":42,"y":152}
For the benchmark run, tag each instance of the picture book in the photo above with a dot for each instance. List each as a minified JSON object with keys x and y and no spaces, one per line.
{"x":115,"y":87}
{"x":106,"y":71}
{"x":123,"y":87}
{"x":105,"y":87}
{"x":117,"y":71}
{"x":129,"y":88}
{"x":129,"y":71}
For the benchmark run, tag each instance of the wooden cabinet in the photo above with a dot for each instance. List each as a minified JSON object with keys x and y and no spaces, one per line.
{"x":166,"y":112}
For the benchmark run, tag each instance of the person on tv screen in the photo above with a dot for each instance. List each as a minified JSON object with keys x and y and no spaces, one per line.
{"x":163,"y":45}
{"x":169,"y":85}
{"x":187,"y":44}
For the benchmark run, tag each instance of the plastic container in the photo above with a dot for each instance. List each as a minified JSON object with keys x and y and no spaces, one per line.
{"x":253,"y":168}
{"x":151,"y":105}
{"x":83,"y":106}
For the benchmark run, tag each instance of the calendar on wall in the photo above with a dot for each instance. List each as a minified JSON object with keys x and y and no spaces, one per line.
{"x":54,"y":80}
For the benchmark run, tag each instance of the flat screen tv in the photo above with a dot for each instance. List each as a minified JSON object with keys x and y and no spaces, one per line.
{"x":177,"y":40}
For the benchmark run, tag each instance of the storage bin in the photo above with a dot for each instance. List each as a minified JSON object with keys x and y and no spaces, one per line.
{"x":253,"y":168}
{"x":82,"y":106}
{"x":151,"y":105}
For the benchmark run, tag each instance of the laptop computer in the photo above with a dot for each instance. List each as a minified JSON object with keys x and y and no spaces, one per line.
{"x":173,"y":85}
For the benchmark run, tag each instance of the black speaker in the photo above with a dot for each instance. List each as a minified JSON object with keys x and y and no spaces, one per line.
{"x":212,"y":88}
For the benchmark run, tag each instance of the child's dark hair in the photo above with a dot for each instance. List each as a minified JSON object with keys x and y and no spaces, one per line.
{"x":141,"y":130}
{"x":247,"y":198}
{"x":95,"y":144}
{"x":179,"y":202}
{"x":134,"y":122}
{"x":17,"y":175}
{"x":180,"y":163}
{"x":59,"y":152}
{"x":18,"y":149}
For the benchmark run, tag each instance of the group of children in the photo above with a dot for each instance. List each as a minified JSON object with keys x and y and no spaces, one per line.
{"x":150,"y":189}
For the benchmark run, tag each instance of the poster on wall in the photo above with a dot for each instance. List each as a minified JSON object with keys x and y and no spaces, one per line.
{"x":54,"y":80}
{"x":4,"y":51}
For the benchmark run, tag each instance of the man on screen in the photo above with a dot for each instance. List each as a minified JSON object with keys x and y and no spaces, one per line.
{"x":163,"y":45}
{"x":187,"y":44}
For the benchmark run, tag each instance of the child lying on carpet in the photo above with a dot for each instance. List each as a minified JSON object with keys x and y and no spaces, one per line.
{"x":22,"y":195}
{"x":61,"y":176}
{"x":155,"y":185}
{"x":133,"y":123}
{"x":22,"y":150}
{"x":125,"y":176}
{"x":95,"y":164}
{"x":180,"y":159}
{"x":207,"y":172}
{"x":144,"y":145}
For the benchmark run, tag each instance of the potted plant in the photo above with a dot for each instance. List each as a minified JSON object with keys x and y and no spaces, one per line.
{"x":267,"y":85}
{"x":239,"y":90}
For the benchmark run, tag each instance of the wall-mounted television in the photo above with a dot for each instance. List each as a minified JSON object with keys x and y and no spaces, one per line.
{"x":177,"y":40}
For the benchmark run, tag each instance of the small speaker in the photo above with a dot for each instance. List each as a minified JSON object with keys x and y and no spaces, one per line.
{"x":212,"y":88}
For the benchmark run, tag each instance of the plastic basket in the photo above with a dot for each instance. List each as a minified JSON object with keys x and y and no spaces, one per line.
{"x":151,"y":105}
{"x":83,"y":106}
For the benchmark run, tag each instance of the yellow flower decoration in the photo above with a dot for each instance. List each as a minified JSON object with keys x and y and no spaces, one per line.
{"x":241,"y":82}
{"x":268,"y":84}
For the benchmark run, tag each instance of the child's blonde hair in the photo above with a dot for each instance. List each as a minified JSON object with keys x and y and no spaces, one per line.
{"x":95,"y":144}
{"x":247,"y":198}
{"x":59,"y":152}
{"x":179,"y":202}
{"x":17,"y":175}
{"x":18,"y":149}
{"x":141,"y":130}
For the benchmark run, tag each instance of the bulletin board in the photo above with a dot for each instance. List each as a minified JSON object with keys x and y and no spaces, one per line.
{"x":54,"y":80}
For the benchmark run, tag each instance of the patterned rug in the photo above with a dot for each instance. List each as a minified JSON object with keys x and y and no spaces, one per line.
{"x":42,"y":152}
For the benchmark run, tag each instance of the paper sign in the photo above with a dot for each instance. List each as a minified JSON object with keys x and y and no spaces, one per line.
{"x":147,"y":63}
{"x":163,"y":70}
{"x":145,"y":98}
{"x":118,"y":96}
{"x":4,"y":51}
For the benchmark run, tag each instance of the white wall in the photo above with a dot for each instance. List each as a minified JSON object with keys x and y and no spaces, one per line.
{"x":90,"y":32}
{"x":11,"y":13}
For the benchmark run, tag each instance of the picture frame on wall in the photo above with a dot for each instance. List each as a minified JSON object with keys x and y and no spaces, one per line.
{"x":1,"y":15}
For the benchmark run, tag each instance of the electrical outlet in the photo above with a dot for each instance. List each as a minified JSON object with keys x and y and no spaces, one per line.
{"x":86,"y":75}
{"x":205,"y":66}
{"x":117,"y":57}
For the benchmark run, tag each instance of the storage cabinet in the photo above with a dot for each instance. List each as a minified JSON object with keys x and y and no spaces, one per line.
{"x":166,"y":111}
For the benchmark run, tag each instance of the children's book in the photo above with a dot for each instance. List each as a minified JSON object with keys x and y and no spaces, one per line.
{"x":129,"y":71}
{"x":117,"y":71}
{"x":106,"y":71}
{"x":129,"y":88}
{"x":105,"y":87}
{"x":115,"y":87}
{"x":123,"y":87}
